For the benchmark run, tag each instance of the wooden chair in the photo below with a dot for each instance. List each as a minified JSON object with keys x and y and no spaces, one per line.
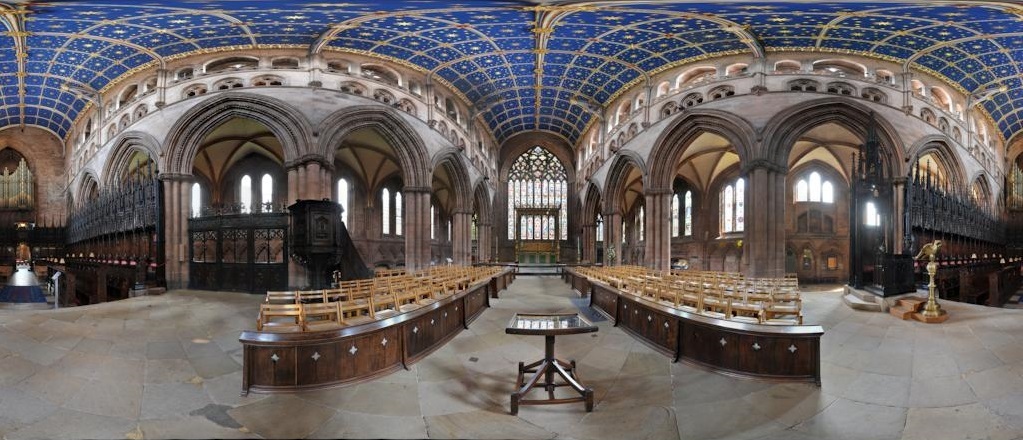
{"x":745,"y":312}
{"x":323,"y":316}
{"x":311,"y":296}
{"x":280,"y":297}
{"x":383,"y":305}
{"x":280,"y":317}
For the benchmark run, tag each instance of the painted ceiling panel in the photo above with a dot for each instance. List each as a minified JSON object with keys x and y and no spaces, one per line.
{"x":493,"y":51}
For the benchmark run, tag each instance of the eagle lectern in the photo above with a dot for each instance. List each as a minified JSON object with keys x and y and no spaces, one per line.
{"x":316,"y":239}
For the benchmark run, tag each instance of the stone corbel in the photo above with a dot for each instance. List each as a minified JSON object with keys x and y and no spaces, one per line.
{"x":758,"y":90}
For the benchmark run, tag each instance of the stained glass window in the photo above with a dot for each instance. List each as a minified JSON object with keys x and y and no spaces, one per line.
{"x":433,"y":222}
{"x":674,"y":215}
{"x":733,"y":207}
{"x":689,"y":213}
{"x":385,"y":200}
{"x":342,"y":199}
{"x":600,"y":228}
{"x":538,"y":180}
{"x":727,"y":202}
{"x":245,"y":194}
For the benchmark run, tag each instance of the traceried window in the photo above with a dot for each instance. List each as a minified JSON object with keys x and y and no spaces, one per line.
{"x":245,"y":194}
{"x":266,"y":189}
{"x":814,"y":188}
{"x":196,"y":200}
{"x":342,"y":199}
{"x":674,"y":216}
{"x":538,"y":180}
{"x":733,"y":207}
{"x":385,"y":208}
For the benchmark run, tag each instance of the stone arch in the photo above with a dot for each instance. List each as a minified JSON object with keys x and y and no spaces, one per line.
{"x":591,"y":199}
{"x":86,"y":183}
{"x":676,"y":137}
{"x":980,"y":179}
{"x":407,"y":143}
{"x":938,"y":146}
{"x":452,"y":161}
{"x":785,"y":128}
{"x":481,"y":198}
{"x":287,"y":124}
{"x":123,"y":148}
{"x":616,"y":183}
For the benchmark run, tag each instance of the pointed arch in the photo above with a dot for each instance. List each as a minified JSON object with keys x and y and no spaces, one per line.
{"x":938,"y":146}
{"x":287,"y":124}
{"x":409,"y":147}
{"x":453,"y":163}
{"x":125,"y":145}
{"x":617,"y":179}
{"x":482,"y":202}
{"x":671,"y":145}
{"x":783,"y":131}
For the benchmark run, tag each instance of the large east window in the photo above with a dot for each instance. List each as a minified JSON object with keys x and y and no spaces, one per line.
{"x":538,"y":180}
{"x":733,"y":207}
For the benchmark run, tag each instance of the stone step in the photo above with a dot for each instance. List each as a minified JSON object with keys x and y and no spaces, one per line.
{"x":858,"y":303}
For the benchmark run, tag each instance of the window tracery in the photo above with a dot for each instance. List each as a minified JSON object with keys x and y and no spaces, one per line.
{"x":537,"y":179}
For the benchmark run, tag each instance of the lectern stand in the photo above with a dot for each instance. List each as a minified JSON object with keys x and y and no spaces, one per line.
{"x":549,"y":325}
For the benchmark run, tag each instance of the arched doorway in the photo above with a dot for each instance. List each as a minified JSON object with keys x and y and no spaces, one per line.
{"x":238,"y":222}
{"x":537,"y":206}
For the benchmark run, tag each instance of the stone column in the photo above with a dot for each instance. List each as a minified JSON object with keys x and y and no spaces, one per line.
{"x":303,"y":183}
{"x":658,"y":228}
{"x":177,"y":197}
{"x":483,"y":241}
{"x":296,"y":273}
{"x":461,"y":242}
{"x":764,"y":237}
{"x":613,"y":236}
{"x":898,"y":210}
{"x":417,"y":227}
{"x":314,"y":174}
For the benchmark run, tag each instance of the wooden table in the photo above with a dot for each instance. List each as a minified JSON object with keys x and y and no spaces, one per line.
{"x":549,"y":325}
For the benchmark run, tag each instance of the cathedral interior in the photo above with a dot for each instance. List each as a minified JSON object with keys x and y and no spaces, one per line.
{"x":303,"y":219}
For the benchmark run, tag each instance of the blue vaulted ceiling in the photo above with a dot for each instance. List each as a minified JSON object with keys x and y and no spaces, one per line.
{"x":526,"y":67}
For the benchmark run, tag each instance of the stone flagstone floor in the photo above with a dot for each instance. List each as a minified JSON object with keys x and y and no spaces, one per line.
{"x":169,"y":367}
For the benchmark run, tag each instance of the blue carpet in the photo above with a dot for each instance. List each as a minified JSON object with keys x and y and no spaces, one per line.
{"x":22,"y":294}
{"x":583,"y":304}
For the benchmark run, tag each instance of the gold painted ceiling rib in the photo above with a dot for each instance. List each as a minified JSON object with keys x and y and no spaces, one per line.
{"x":14,"y":20}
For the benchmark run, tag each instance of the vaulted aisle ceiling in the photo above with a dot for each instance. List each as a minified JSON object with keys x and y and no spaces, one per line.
{"x":524,"y":66}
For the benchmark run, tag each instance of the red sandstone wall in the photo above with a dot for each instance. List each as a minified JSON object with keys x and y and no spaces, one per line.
{"x":45,"y":156}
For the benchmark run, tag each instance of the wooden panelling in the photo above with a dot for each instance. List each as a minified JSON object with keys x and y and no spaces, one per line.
{"x":776,"y":352}
{"x":310,"y":360}
{"x":605,"y":301}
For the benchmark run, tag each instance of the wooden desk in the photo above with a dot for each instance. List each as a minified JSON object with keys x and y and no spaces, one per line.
{"x":549,"y":325}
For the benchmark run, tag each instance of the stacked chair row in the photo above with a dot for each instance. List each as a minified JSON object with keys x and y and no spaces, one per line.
{"x":721,"y":295}
{"x":361,"y":301}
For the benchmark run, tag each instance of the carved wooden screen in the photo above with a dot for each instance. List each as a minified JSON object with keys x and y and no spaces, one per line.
{"x":239,"y":252}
